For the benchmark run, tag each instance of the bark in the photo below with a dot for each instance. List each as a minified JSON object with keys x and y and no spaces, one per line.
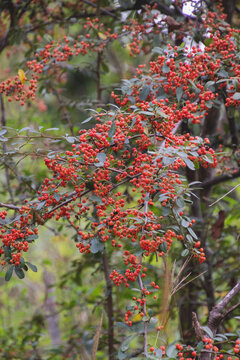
{"x":229,"y":7}
{"x":50,"y":307}
{"x":109,"y":303}
{"x":218,"y":313}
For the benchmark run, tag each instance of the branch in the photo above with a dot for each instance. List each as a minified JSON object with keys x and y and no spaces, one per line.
{"x":145,"y":346}
{"x":219,"y":179}
{"x":110,"y":312}
{"x":4,"y":41}
{"x":218,"y":313}
{"x":226,"y":300}
{"x":233,"y":131}
{"x":224,"y":195}
{"x":197,"y":327}
{"x":102,"y":11}
{"x":4,"y":146}
{"x":234,"y":307}
{"x":9,"y":206}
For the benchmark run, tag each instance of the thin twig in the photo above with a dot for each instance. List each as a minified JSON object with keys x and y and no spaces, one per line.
{"x":9,"y":206}
{"x":103,"y":11}
{"x":145,"y":346}
{"x":217,"y":314}
{"x":215,"y":202}
{"x":4,"y":146}
{"x":219,"y":179}
{"x":110,"y":311}
{"x":195,"y":277}
{"x":197,"y":327}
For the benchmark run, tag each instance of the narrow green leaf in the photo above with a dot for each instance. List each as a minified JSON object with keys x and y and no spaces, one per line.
{"x":9,"y":273}
{"x":32,"y":267}
{"x":179,"y":92}
{"x":192,"y":233}
{"x":163,"y":246}
{"x":184,"y":223}
{"x":144,"y":92}
{"x":185,"y":253}
{"x":208,"y":331}
{"x":96,"y":246}
{"x":112,"y":130}
{"x":101,"y":158}
{"x":19,"y":272}
{"x":236,"y":96}
{"x":171,"y":351}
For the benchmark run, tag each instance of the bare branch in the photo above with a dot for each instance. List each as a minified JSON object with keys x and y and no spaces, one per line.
{"x":219,"y":179}
{"x":9,"y":206}
{"x":218,"y":313}
{"x":110,"y":311}
{"x":197,"y":327}
{"x":4,"y":146}
{"x":145,"y":346}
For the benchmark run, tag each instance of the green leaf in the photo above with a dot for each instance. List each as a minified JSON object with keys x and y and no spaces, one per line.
{"x":147,"y":113}
{"x":189,"y":238}
{"x":184,"y":223}
{"x":87,"y":120}
{"x":161,"y":114}
{"x":101,"y":158}
{"x":121,"y":355}
{"x":144,"y":92}
{"x":19,"y":272}
{"x":32,"y":237}
{"x":171,"y":351}
{"x":112,"y":130}
{"x":105,"y":67}
{"x":208,"y":41}
{"x":125,"y":344}
{"x":236,"y":96}
{"x":96,"y":199}
{"x":179,"y":92}
{"x":192,"y":233}
{"x":9,"y":273}
{"x":185,"y":253}
{"x":32,"y":267}
{"x":122,"y":325}
{"x":180,"y":202}
{"x":208,"y":158}
{"x":96,"y":246}
{"x":7,"y":252}
{"x":222,"y":337}
{"x":189,"y":163}
{"x":157,"y":50}
{"x":163,"y":246}
{"x":2,"y":132}
{"x":208,"y":331}
{"x":199,"y":346}
{"x":209,"y":84}
{"x":47,"y":38}
{"x":70,"y":139}
{"x":52,"y":129}
{"x":165,"y":69}
{"x":222,"y":73}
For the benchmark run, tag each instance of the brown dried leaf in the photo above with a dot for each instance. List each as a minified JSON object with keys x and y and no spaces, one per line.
{"x":217,"y":227}
{"x":96,"y":339}
{"x":172,"y":23}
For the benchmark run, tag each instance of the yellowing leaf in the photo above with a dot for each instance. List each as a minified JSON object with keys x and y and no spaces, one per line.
{"x":128,"y":47}
{"x":138,"y":317}
{"x":22,"y":76}
{"x":146,"y":130}
{"x":57,"y":238}
{"x":102,"y":36}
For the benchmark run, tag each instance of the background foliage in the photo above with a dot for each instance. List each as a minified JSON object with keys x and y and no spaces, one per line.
{"x":67,"y":308}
